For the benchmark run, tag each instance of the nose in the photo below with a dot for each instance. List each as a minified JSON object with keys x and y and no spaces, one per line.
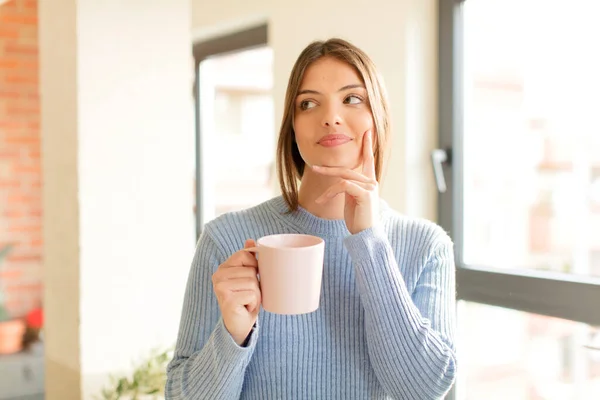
{"x":331,"y":116}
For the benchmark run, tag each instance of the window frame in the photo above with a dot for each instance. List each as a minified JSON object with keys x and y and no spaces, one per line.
{"x":558,"y":295}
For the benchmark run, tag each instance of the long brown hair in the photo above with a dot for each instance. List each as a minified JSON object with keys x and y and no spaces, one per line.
{"x":290,"y":165}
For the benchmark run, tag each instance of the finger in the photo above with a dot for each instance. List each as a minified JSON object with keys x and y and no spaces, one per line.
{"x":343,"y":173}
{"x":228,"y":273}
{"x":238,"y":285}
{"x":368,"y":158}
{"x":346,"y":185}
{"x":249,"y":299}
{"x":241,"y":259}
{"x":254,"y":306}
{"x":351,"y":188}
{"x":250,"y":246}
{"x":255,"y":301}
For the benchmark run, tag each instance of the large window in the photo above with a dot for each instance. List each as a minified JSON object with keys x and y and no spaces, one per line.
{"x":519,"y":82}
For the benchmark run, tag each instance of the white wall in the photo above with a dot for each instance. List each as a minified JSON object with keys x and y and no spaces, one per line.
{"x":401,"y":38}
{"x":117,"y":126}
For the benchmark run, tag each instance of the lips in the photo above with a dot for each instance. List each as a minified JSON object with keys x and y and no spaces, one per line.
{"x":334,"y":140}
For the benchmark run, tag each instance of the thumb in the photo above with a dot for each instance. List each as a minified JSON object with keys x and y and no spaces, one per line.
{"x":249,"y":243}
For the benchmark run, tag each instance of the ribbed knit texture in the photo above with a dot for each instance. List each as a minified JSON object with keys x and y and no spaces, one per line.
{"x":384,"y":328}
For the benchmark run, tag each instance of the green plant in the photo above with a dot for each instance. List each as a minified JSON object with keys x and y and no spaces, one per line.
{"x":4,"y":252}
{"x":147,"y":381}
{"x":4,"y":316}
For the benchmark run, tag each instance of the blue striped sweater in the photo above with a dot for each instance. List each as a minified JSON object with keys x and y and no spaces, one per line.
{"x":384,"y":328}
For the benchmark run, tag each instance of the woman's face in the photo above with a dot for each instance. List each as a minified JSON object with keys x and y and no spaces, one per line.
{"x":332,"y":114}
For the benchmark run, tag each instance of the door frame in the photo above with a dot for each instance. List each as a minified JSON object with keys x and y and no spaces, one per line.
{"x":241,"y":40}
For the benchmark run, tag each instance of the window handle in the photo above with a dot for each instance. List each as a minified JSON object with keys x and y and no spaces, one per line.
{"x":439,"y":158}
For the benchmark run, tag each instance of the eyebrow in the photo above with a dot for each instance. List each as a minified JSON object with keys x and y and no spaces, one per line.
{"x":347,"y":87}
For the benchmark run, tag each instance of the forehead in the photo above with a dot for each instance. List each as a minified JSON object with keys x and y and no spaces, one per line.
{"x":329,"y":73}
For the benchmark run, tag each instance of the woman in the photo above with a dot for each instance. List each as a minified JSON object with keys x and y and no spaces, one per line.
{"x":385,"y":325}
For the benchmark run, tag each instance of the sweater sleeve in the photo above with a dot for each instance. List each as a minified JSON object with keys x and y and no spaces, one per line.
{"x":207,"y":363}
{"x":409,"y":338}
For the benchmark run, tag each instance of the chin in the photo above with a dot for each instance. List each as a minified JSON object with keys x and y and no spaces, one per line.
{"x":337,"y":159}
{"x":338,"y":163}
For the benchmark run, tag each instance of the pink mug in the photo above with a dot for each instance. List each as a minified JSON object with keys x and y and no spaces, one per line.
{"x":290,"y":269}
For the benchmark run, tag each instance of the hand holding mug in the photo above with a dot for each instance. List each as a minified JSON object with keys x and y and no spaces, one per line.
{"x":238,"y":292}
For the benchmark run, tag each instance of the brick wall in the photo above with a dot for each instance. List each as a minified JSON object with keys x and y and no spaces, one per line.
{"x":20,"y":169}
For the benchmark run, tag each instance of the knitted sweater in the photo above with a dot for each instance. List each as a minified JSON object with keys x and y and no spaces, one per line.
{"x":384,"y":328}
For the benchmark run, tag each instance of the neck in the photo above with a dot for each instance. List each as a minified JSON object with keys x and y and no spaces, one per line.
{"x":311,"y":187}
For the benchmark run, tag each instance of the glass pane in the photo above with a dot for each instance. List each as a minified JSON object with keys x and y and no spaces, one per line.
{"x":237,"y":127}
{"x":532,"y":136}
{"x":514,"y":355}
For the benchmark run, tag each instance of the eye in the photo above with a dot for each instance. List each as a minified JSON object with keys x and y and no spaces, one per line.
{"x":353,"y":99}
{"x":307,"y":104}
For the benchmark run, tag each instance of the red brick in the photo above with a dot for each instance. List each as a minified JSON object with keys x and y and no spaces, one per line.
{"x":8,"y":32}
{"x":11,"y":124}
{"x":22,"y":79}
{"x":9,"y":94}
{"x":16,"y":198}
{"x":10,"y":183}
{"x":22,"y":140}
{"x":8,"y":62}
{"x":28,"y":33}
{"x":21,"y":258}
{"x":16,"y":290}
{"x":6,"y":154}
{"x":18,"y":19}
{"x":30,"y":5}
{"x":10,"y":274}
{"x":23,"y":49}
{"x":9,"y":6}
{"x":34,"y":168}
{"x":35,"y":212}
{"x":14,"y":110}
{"x":13,"y":214}
{"x":16,"y":62}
